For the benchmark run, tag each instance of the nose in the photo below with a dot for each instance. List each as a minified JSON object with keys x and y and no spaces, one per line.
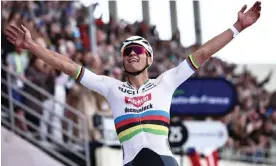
{"x":132,"y":53}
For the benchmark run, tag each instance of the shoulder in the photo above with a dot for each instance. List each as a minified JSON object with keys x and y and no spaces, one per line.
{"x":111,"y":79}
{"x":160,"y":78}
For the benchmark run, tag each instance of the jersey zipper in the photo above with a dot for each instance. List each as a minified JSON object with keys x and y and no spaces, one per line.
{"x":139,"y":116}
{"x":140,"y":121}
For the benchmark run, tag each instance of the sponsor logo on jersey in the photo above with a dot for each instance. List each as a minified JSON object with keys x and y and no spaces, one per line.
{"x":124,"y":90}
{"x":127,"y":86}
{"x":138,"y":101}
{"x":138,"y":110}
{"x":148,"y":87}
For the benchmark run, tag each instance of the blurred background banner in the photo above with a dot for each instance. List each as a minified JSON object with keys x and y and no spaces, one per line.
{"x":204,"y":137}
{"x":204,"y":97}
{"x":109,"y":131}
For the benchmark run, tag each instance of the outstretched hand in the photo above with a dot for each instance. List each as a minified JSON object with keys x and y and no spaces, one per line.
{"x":248,"y":18}
{"x":20,"y":37}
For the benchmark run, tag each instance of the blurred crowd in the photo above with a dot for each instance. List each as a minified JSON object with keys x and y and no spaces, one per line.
{"x":252,"y":123}
{"x":63,"y":26}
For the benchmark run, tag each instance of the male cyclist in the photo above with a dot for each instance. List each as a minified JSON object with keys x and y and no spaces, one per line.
{"x":141,"y":105}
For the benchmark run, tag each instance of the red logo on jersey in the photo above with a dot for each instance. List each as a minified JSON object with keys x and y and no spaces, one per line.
{"x":138,"y":101}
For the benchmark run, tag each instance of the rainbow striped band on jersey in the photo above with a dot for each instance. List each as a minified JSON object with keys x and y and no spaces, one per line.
{"x":79,"y":73}
{"x":152,"y":121}
{"x":192,"y":63}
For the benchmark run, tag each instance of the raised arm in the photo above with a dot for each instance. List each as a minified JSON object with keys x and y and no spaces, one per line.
{"x":245,"y":19}
{"x":21,"y":38}
{"x":176,"y":76}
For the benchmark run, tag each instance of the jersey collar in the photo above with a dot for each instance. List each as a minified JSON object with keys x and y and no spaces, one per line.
{"x":145,"y":83}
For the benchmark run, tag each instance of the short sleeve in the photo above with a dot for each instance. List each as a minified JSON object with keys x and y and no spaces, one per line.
{"x":176,"y":76}
{"x":98,"y":83}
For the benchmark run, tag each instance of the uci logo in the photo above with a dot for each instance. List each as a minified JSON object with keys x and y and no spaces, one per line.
{"x":131,"y":92}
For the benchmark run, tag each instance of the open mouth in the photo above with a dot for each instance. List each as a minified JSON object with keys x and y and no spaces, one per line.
{"x":133,"y":60}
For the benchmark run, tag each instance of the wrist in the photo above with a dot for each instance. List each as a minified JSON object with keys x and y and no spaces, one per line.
{"x":238,"y":26}
{"x":31,"y":45}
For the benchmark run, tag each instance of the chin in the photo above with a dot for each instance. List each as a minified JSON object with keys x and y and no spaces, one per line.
{"x":133,"y":68}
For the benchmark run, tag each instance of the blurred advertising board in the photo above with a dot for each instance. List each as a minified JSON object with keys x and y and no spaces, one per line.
{"x":204,"y":97}
{"x":203,"y":136}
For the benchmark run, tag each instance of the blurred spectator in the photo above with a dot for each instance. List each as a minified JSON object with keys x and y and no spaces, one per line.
{"x":58,"y":108}
{"x":39,"y":73}
{"x":103,"y":107}
{"x":88,"y":106}
{"x":73,"y":100}
{"x":117,"y":73}
{"x":78,"y":58}
{"x":18,"y":62}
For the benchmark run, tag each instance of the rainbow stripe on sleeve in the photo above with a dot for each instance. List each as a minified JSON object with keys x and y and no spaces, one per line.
{"x":79,"y":73}
{"x":192,"y":63}
{"x":152,"y":121}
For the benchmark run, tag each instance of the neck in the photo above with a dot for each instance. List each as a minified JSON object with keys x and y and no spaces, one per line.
{"x":139,"y":80}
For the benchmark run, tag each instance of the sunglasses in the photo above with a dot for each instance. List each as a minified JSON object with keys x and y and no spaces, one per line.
{"x":136,"y":48}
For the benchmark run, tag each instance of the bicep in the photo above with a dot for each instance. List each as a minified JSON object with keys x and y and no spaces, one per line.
{"x":92,"y":81}
{"x":176,"y":76}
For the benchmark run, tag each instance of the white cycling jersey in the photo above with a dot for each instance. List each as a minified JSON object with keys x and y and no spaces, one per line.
{"x":141,"y":115}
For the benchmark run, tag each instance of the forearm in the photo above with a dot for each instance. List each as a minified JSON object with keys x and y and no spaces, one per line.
{"x":215,"y":44}
{"x":54,"y":59}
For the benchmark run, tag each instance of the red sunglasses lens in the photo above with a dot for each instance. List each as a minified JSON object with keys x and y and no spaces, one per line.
{"x":137,"y":49}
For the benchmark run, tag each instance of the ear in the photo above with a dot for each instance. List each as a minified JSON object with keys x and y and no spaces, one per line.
{"x":149,"y":59}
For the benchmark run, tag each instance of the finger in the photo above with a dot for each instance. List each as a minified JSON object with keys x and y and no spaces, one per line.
{"x":257,"y":3}
{"x":258,"y":8}
{"x":16,"y":29}
{"x":11,"y":36}
{"x":11,"y":41}
{"x":24,"y":28}
{"x":256,"y":11}
{"x":12,"y":32}
{"x":243,"y":8}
